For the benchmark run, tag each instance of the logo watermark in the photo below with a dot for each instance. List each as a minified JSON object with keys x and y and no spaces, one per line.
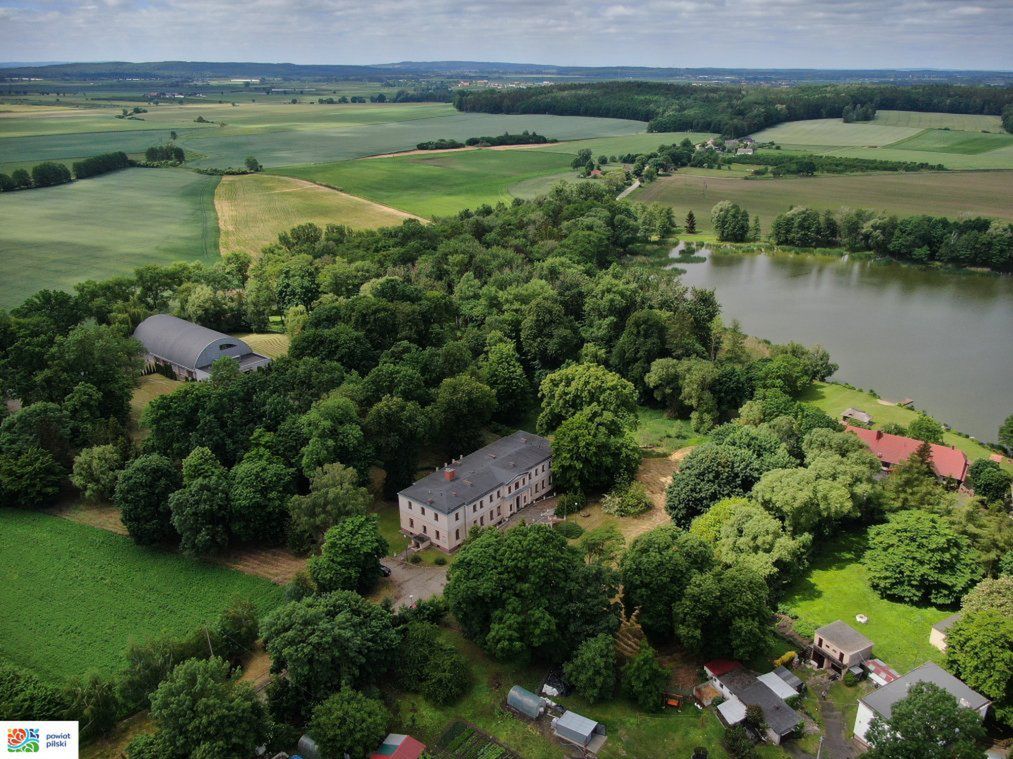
{"x":46,"y":739}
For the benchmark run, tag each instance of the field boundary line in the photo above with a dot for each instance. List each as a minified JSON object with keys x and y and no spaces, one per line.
{"x":332,"y":188}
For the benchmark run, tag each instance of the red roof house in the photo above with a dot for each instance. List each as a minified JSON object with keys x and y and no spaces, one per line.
{"x":892,"y":449}
{"x":397,"y":746}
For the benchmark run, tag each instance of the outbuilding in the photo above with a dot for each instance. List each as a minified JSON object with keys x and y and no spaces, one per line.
{"x":189,"y":349}
{"x":580,"y":731}
{"x":941,"y":629}
{"x":525,"y":702}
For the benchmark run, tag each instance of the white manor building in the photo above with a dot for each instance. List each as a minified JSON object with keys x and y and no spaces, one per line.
{"x":484,"y":488}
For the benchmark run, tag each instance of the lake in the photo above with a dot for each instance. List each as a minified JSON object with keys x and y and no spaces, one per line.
{"x":942,"y":339}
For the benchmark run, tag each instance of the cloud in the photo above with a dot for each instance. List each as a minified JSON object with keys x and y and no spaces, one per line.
{"x":721,"y":33}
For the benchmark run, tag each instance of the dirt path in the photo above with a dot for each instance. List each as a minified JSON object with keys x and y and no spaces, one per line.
{"x":835,"y":743}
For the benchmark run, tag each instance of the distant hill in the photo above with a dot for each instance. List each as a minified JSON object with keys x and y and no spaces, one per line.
{"x":176,"y":70}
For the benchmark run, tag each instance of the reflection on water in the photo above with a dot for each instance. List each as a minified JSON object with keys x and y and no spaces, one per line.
{"x":943,"y":339}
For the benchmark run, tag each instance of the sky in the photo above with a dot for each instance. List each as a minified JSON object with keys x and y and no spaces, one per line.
{"x":679,"y":33}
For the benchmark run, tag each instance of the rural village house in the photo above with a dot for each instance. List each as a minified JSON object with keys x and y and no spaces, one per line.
{"x":948,"y":463}
{"x":484,"y":488}
{"x":937,"y":637}
{"x":189,"y":349}
{"x":741,"y":688}
{"x":840,"y":647}
{"x":880,"y":702}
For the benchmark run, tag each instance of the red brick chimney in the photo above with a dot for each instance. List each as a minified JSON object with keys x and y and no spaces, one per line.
{"x":449,"y":473}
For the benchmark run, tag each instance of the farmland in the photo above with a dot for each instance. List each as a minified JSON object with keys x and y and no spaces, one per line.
{"x":253,"y":209}
{"x":73,"y":596}
{"x":938,"y":193}
{"x":103,"y":227}
{"x":278,"y":134}
{"x":441,"y":184}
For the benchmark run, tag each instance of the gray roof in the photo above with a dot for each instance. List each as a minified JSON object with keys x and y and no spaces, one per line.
{"x":785,"y":674}
{"x":479,"y":472}
{"x":845,"y":637}
{"x":945,"y":624}
{"x":577,"y":723}
{"x":881,"y":701}
{"x":178,"y":340}
{"x":779,"y":717}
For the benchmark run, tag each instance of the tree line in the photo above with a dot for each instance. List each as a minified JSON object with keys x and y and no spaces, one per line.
{"x":729,"y":110}
{"x":523,"y":138}
{"x":809,"y":164}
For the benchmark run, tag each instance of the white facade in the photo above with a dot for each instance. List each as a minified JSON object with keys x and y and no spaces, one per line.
{"x":494,"y":507}
{"x":862,"y":721}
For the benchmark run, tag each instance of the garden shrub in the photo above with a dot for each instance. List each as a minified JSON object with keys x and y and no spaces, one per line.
{"x":569,"y":530}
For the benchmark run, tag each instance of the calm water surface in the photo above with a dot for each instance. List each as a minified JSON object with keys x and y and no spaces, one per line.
{"x":942,"y":339}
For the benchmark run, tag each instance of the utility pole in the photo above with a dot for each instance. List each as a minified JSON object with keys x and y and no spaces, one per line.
{"x":820,"y":749}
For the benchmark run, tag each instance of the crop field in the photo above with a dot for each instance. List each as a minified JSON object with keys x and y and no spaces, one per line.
{"x":73,"y":596}
{"x":270,"y":344}
{"x":968,"y":122}
{"x":252,"y":209}
{"x":277,"y":134}
{"x":947,"y":141}
{"x":440,"y":184}
{"x":102,"y":227}
{"x":834,"y":132}
{"x":837,"y":587}
{"x":939,"y":193}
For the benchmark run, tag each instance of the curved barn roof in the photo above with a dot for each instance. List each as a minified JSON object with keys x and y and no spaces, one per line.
{"x":178,"y":340}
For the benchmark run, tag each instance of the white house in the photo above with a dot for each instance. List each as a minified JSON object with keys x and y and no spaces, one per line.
{"x":484,"y":488}
{"x":881,"y":701}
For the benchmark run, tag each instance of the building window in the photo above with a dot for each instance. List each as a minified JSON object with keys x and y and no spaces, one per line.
{"x":437,"y":534}
{"x":409,"y":505}
{"x":457,"y":534}
{"x":499,"y":511}
{"x":474,"y":508}
{"x":423,"y":511}
{"x":819,"y":642}
{"x":840,"y":656}
{"x":411,"y":523}
{"x":481,"y":521}
{"x":425,"y":530}
{"x":498,"y":493}
{"x":457,"y":516}
{"x":436,"y":517}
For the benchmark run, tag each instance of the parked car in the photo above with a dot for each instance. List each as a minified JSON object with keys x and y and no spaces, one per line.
{"x":385,"y":570}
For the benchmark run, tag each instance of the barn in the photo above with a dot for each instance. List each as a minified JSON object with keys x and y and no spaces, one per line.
{"x":189,"y":349}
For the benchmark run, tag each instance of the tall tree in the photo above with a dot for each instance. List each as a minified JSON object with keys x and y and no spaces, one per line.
{"x":142,"y":495}
{"x":349,"y":724}
{"x":396,"y":428}
{"x":462,"y":409}
{"x":334,"y":495}
{"x":724,"y":612}
{"x":929,"y":724}
{"x":350,"y":556}
{"x":200,"y":509}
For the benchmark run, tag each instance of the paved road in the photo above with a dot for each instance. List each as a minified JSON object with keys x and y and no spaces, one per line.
{"x":628,"y":190}
{"x":415,"y":582}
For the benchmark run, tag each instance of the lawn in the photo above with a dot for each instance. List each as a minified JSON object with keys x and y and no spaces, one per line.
{"x":270,"y":344}
{"x":104,"y":227}
{"x":663,"y":435}
{"x":74,"y":595}
{"x":632,"y":733}
{"x":834,"y":399}
{"x":951,"y":194}
{"x":252,"y":209}
{"x":436,"y":185}
{"x":837,"y":587}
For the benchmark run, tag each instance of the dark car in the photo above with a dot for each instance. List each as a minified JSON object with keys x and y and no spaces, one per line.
{"x":385,"y":570}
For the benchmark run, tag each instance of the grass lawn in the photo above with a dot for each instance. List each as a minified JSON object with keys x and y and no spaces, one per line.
{"x":104,"y":227}
{"x":436,"y":185}
{"x":835,"y":399}
{"x":252,"y":209}
{"x":74,"y":595}
{"x":390,"y":526}
{"x":152,"y":386}
{"x":663,"y":435}
{"x":939,"y":193}
{"x":837,"y":587}
{"x":632,"y":733}
{"x":270,"y":344}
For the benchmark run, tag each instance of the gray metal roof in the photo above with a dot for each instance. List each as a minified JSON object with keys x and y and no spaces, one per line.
{"x":881,"y":701}
{"x":480,"y":472}
{"x":785,"y":674}
{"x":577,"y":723}
{"x":945,"y":624}
{"x":746,"y":687}
{"x":844,"y":636}
{"x":178,"y":340}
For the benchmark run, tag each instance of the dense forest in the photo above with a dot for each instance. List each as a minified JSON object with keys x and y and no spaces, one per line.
{"x":730,"y":110}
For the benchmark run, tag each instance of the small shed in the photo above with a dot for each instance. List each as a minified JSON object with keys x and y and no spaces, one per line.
{"x":789,"y":677}
{"x":780,"y":687}
{"x":857,"y":415}
{"x":580,"y":731}
{"x":308,"y":748}
{"x":940,"y":630}
{"x":732,"y":711}
{"x":525,"y":702}
{"x":399,"y":746}
{"x":880,"y":672}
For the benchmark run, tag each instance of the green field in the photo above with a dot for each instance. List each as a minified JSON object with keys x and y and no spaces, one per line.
{"x":103,"y":227}
{"x":278,"y":134}
{"x":436,"y":185}
{"x":834,"y":132}
{"x":835,"y":399}
{"x":73,"y":596}
{"x":938,"y":193}
{"x":968,"y":122}
{"x":254,"y":208}
{"x":960,"y":143}
{"x":837,"y":587}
